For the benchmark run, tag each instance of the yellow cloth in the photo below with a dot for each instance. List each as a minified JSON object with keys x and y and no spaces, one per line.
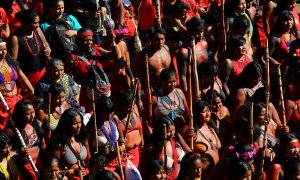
{"x":14,"y":172}
{"x":4,"y":171}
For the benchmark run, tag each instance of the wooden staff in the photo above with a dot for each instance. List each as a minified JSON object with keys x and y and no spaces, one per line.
{"x":190,"y":97}
{"x":95,"y":117}
{"x":36,"y":171}
{"x":131,"y":107}
{"x":283,"y":117}
{"x":165,"y":144}
{"x":49,"y":115}
{"x":223,"y":24}
{"x":79,"y":167}
{"x":195,"y":71}
{"x":267,"y":118}
{"x":148,"y":87}
{"x":158,"y":16}
{"x":251,"y":122}
{"x":119,"y":160}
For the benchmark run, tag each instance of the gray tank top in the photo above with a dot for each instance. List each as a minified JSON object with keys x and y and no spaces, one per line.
{"x":70,"y":157}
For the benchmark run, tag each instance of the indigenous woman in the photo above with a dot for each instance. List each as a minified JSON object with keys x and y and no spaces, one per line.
{"x":69,"y":143}
{"x":238,"y":8}
{"x":55,"y":75}
{"x":57,"y":107}
{"x":206,"y":140}
{"x":170,"y":101}
{"x":175,"y":148}
{"x":156,"y":171}
{"x":52,"y":167}
{"x":282,"y":35}
{"x":79,"y":69}
{"x":208,"y":72}
{"x":272,"y":11}
{"x":108,"y":132}
{"x":288,"y":147}
{"x":235,"y":62}
{"x":28,"y":47}
{"x":56,"y":13}
{"x":191,"y":167}
{"x":31,"y":132}
{"x":134,"y":137}
{"x":10,"y":74}
{"x":247,"y":83}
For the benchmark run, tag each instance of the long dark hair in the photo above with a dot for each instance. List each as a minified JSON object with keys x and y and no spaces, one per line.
{"x":232,"y":44}
{"x":62,"y":134}
{"x":283,"y":16}
{"x":186,"y":163}
{"x":19,"y":120}
{"x":283,"y":145}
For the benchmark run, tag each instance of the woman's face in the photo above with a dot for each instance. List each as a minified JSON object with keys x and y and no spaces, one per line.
{"x":293,"y":149}
{"x":288,"y":24}
{"x":291,"y":6}
{"x":204,"y":115}
{"x":242,"y":50}
{"x":86,"y":44}
{"x":169,"y":84}
{"x":3,"y":51}
{"x":217,"y":104}
{"x":159,"y":175}
{"x":247,"y":175}
{"x":196,"y":169}
{"x":171,"y":132}
{"x":57,"y":72}
{"x":241,"y":7}
{"x":36,"y":23}
{"x":58,"y":10}
{"x":29,"y":115}
{"x":5,"y":151}
{"x":76,"y":124}
{"x":54,"y":170}
{"x":60,"y":99}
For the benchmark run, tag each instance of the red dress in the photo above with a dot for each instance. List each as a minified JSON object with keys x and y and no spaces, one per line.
{"x":281,"y":50}
{"x":147,"y":15}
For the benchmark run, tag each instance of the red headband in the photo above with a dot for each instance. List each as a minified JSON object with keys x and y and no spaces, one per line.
{"x":81,"y":34}
{"x":294,"y":143}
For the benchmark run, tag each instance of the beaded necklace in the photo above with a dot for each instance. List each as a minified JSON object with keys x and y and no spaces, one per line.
{"x":36,"y":42}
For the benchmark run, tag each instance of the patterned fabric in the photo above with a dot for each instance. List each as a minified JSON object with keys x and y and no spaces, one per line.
{"x":41,"y":90}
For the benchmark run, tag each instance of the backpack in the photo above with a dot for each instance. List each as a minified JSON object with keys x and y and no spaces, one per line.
{"x":59,"y":43}
{"x":100,"y":81}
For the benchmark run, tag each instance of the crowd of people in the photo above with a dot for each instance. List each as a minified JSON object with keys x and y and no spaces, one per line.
{"x":149,"y":89}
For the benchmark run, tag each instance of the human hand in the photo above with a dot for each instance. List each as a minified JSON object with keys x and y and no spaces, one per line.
{"x":70,"y":33}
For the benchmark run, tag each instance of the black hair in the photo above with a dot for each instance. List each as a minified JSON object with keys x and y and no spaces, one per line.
{"x":55,"y":89}
{"x":252,"y":70}
{"x":156,"y":30}
{"x":238,"y":169}
{"x":106,"y":174}
{"x":27,"y":16}
{"x":259,"y":95}
{"x":63,"y":134}
{"x":284,"y":142}
{"x":195,"y":25}
{"x":154,"y":166}
{"x":4,"y":140}
{"x":198,"y":107}
{"x":283,"y":16}
{"x":19,"y":118}
{"x":124,"y":98}
{"x":97,"y":158}
{"x":186,"y":163}
{"x":241,"y":22}
{"x":166,"y":74}
{"x":52,"y":3}
{"x":180,"y":6}
{"x":233,"y":44}
{"x":212,"y":93}
{"x":54,"y":62}
{"x":158,"y":129}
{"x":104,"y":105}
{"x":208,"y":68}
{"x":84,"y":29}
{"x":290,"y":167}
{"x":49,"y":160}
{"x":242,"y":126}
{"x":258,"y":108}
